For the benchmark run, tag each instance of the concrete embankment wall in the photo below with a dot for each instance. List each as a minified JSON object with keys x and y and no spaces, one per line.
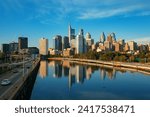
{"x":22,"y":88}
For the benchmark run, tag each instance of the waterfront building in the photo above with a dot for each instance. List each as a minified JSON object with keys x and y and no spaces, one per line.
{"x":22,"y":43}
{"x":5,"y":48}
{"x":13,"y":47}
{"x":43,"y":46}
{"x":57,"y":42}
{"x":67,"y":52}
{"x":71,"y":33}
{"x":102,"y":38}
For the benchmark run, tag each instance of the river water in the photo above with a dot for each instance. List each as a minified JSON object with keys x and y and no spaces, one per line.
{"x":62,"y":80}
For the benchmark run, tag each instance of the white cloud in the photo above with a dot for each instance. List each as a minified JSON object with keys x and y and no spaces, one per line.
{"x":81,"y":9}
{"x":99,"y":13}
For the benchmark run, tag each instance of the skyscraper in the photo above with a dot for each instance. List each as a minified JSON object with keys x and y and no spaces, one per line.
{"x":65,"y":43}
{"x":22,"y":43}
{"x":102,"y":38}
{"x":57,"y":40}
{"x":43,"y":46}
{"x":71,"y":33}
{"x":81,"y":43}
{"x":113,"y":37}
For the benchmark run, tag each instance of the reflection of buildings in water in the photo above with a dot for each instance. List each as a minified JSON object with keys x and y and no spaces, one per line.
{"x":80,"y":73}
{"x":57,"y":70}
{"x":102,"y":73}
{"x":51,"y":63}
{"x":114,"y":73}
{"x":66,"y":71}
{"x":76,"y":73}
{"x":43,"y":69}
{"x":110,"y":73}
{"x":88,"y":72}
{"x":66,"y":63}
{"x":71,"y":80}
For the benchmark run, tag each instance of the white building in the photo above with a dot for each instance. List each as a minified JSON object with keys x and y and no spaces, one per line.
{"x":43,"y":46}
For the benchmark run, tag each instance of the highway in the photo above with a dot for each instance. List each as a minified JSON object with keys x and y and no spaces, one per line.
{"x":13,"y":76}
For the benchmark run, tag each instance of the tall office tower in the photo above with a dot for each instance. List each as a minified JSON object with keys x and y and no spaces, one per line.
{"x":22,"y":43}
{"x":102,"y":38}
{"x":132,"y":46}
{"x":113,"y":37}
{"x":109,"y":38}
{"x":5,"y":48}
{"x":80,"y":43}
{"x":71,"y":33}
{"x":65,"y":43}
{"x":43,"y":45}
{"x":57,"y":42}
{"x":13,"y":47}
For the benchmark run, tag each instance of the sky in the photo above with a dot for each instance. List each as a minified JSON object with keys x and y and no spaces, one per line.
{"x":128,"y":19}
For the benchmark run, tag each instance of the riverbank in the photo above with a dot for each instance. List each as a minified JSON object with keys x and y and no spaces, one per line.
{"x":137,"y":66}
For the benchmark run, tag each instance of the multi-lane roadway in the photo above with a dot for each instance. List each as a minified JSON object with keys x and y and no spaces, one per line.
{"x":14,"y":76}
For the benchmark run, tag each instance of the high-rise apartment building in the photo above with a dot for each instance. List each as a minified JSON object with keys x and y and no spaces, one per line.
{"x":43,"y":46}
{"x":22,"y":43}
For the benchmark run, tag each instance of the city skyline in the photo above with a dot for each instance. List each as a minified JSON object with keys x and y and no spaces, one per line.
{"x":129,"y":20}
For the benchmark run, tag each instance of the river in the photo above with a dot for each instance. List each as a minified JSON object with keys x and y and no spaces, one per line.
{"x":62,"y":80}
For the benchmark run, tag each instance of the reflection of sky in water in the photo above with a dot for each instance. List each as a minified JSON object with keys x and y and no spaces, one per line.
{"x":61,"y":80}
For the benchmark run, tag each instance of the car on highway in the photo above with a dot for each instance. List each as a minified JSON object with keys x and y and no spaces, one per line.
{"x":5,"y":82}
{"x":14,"y":71}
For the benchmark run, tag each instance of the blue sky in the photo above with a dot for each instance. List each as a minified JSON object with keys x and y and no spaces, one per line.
{"x":129,"y":19}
